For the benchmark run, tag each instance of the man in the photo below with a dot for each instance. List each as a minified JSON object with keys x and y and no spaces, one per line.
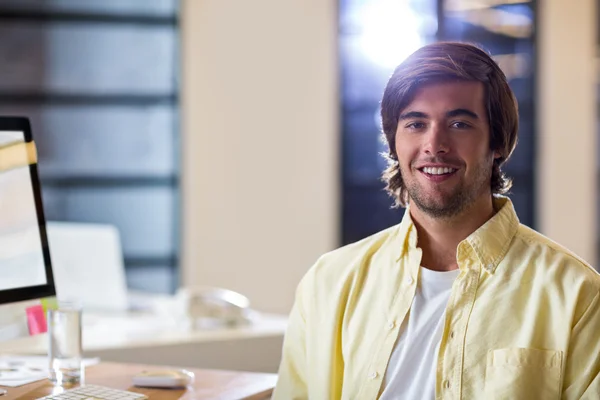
{"x":458,"y":301}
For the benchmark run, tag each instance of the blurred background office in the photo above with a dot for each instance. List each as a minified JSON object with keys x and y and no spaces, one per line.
{"x":232,"y":142}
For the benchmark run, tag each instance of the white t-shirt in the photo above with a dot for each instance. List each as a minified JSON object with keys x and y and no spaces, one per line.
{"x":411,"y":371}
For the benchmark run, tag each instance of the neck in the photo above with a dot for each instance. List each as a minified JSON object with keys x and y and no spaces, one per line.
{"x":439,"y":237}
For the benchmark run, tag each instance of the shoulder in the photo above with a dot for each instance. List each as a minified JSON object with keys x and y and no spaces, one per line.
{"x":555,"y":259}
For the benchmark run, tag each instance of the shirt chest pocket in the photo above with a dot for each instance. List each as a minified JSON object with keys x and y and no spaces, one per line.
{"x":523,"y":374}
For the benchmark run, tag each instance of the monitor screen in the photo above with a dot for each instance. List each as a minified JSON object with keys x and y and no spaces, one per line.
{"x":24,"y":256}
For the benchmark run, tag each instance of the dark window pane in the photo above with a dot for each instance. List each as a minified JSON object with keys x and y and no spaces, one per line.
{"x":109,"y":141}
{"x":362,"y":147}
{"x":144,"y":216}
{"x":366,"y":211}
{"x":522,"y":158}
{"x":521,"y":195}
{"x":87,"y":59}
{"x":154,"y":278}
{"x":493,"y":25}
{"x":116,"y":7}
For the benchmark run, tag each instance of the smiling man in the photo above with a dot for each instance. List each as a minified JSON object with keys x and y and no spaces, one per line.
{"x":459,"y":300}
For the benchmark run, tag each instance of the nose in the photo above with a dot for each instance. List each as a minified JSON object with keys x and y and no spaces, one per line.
{"x":436,"y":140}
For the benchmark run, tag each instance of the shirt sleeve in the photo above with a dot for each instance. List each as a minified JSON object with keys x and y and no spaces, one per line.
{"x":582,"y":370}
{"x":292,"y":382}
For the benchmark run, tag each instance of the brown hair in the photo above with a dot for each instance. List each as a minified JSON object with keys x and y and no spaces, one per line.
{"x":442,"y":62}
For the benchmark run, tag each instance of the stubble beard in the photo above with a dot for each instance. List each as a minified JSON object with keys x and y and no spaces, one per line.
{"x":453,"y":204}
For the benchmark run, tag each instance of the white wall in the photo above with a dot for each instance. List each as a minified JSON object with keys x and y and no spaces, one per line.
{"x":567,"y":133}
{"x":260,"y":143}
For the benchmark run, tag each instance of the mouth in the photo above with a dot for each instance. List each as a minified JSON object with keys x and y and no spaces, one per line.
{"x":438,"y":174}
{"x":438,"y":170}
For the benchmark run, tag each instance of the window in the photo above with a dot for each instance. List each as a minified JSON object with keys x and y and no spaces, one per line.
{"x":507,"y":32}
{"x":375,"y":36}
{"x":98,"y":79}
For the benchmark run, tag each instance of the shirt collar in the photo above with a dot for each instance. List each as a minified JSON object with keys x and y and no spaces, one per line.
{"x":407,"y":233}
{"x":489,"y":242}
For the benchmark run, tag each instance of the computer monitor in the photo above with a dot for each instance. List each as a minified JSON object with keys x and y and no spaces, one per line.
{"x":25,"y":267}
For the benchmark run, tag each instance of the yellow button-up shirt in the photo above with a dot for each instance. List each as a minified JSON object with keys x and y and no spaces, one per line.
{"x":522,"y":321}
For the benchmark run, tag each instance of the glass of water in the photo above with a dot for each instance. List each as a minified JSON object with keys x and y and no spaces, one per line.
{"x":65,"y":354}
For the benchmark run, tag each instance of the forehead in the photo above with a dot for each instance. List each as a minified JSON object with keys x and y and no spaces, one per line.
{"x":446,"y":96}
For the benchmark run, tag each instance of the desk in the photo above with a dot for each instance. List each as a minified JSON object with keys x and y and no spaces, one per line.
{"x":208,"y":384}
{"x":149,"y":339}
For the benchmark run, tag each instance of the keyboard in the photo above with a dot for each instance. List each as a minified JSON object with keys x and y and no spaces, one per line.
{"x":94,"y":392}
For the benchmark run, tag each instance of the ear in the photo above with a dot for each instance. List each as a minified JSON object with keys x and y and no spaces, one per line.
{"x":497,"y":154}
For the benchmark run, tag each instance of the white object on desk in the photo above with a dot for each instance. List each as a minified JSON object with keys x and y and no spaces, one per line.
{"x":177,"y":378}
{"x":87,"y":262}
{"x":21,"y":370}
{"x":17,"y":375}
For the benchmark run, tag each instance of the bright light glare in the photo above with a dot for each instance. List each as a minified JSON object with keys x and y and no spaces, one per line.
{"x":390,"y":32}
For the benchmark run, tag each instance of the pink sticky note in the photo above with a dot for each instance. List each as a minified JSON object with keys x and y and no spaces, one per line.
{"x":36,"y":320}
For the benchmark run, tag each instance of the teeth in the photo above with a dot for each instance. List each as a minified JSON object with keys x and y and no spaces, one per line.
{"x":438,"y":171}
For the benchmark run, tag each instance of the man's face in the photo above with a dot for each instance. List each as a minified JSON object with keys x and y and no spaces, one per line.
{"x":443,"y":147}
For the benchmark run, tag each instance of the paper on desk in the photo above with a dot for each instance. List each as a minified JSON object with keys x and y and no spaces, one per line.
{"x":21,"y":370}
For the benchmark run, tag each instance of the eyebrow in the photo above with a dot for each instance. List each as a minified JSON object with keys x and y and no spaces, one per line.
{"x":453,"y":113}
{"x":462,"y":111}
{"x":412,"y":114}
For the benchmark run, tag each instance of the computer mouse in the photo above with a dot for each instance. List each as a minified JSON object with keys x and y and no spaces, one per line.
{"x":170,"y":378}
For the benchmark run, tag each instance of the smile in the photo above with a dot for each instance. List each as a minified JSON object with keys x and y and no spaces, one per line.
{"x":438,"y":170}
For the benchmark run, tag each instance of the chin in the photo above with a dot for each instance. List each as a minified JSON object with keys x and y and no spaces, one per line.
{"x":438,"y":200}
{"x":441,"y":212}
{"x":439,"y":205}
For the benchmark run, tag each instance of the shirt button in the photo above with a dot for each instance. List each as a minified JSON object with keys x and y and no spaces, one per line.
{"x":373,"y":375}
{"x":446,"y":384}
{"x":452,"y":335}
{"x":409,"y":280}
{"x":391,"y":325}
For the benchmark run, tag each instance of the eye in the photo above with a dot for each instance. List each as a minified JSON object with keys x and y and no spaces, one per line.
{"x":460,"y":125}
{"x":416,"y":125}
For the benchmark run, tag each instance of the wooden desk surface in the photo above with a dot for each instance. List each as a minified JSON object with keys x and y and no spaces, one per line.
{"x":208,"y":384}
